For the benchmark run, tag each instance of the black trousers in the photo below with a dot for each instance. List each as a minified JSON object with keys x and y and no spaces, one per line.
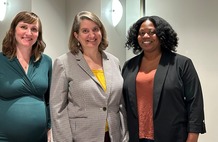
{"x":145,"y":140}
{"x":107,"y":137}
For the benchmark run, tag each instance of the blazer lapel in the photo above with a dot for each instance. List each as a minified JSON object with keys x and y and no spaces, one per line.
{"x":83,"y":64}
{"x":132,"y":79}
{"x":160,"y":78}
{"x":107,"y":72}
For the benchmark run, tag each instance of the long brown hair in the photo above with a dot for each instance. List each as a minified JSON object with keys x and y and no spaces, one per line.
{"x":9,"y":42}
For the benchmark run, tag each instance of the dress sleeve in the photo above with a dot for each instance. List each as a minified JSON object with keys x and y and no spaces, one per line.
{"x":46,"y":96}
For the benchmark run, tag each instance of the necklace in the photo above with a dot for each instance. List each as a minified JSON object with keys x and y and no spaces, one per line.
{"x":23,"y":63}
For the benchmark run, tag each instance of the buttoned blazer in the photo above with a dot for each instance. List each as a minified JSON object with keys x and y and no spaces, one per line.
{"x":177,"y":98}
{"x":79,"y":105}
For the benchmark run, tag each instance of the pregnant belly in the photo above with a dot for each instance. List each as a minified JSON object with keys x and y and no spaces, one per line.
{"x":23,"y":117}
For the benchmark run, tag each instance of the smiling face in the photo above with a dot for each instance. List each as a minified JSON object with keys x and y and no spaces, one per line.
{"x":26,"y":34}
{"x":147,"y":37}
{"x":89,"y":35}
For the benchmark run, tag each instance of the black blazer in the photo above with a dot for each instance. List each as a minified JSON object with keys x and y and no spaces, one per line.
{"x":177,"y":99}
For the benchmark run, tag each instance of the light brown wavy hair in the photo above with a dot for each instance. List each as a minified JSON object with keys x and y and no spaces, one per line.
{"x":74,"y":47}
{"x":9,"y":42}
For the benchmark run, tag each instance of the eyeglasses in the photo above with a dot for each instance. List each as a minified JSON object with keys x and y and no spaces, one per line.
{"x":150,"y":33}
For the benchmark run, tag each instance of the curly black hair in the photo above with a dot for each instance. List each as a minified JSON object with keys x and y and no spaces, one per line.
{"x":167,"y":36}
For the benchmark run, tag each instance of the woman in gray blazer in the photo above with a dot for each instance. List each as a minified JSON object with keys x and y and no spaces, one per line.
{"x":162,"y":90}
{"x":86,"y":100}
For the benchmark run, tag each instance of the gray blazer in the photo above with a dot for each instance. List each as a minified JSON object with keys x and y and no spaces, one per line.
{"x":79,"y":106}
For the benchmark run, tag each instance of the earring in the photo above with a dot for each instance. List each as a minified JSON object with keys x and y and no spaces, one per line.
{"x":78,"y":44}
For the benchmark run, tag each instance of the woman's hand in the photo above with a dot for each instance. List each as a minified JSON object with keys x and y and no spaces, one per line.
{"x":192,"y":137}
{"x":49,"y":135}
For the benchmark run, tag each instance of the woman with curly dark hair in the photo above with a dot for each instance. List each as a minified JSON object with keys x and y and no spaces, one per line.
{"x":162,"y":89}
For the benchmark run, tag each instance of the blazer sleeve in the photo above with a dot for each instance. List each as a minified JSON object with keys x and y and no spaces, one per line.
{"x":61,"y":130}
{"x":194,"y":98}
{"x":123,"y":116}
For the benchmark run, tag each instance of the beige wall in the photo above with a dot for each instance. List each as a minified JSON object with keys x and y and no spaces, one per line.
{"x":53,"y":16}
{"x":132,"y":15}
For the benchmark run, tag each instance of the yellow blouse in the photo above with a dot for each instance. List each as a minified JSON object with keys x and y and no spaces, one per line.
{"x":100,"y":76}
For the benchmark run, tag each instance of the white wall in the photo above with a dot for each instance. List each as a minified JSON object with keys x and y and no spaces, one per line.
{"x":196,"y":23}
{"x":116,"y":35}
{"x":132,"y":15}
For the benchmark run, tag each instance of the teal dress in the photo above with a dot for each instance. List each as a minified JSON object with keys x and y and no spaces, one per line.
{"x":24,"y":113}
